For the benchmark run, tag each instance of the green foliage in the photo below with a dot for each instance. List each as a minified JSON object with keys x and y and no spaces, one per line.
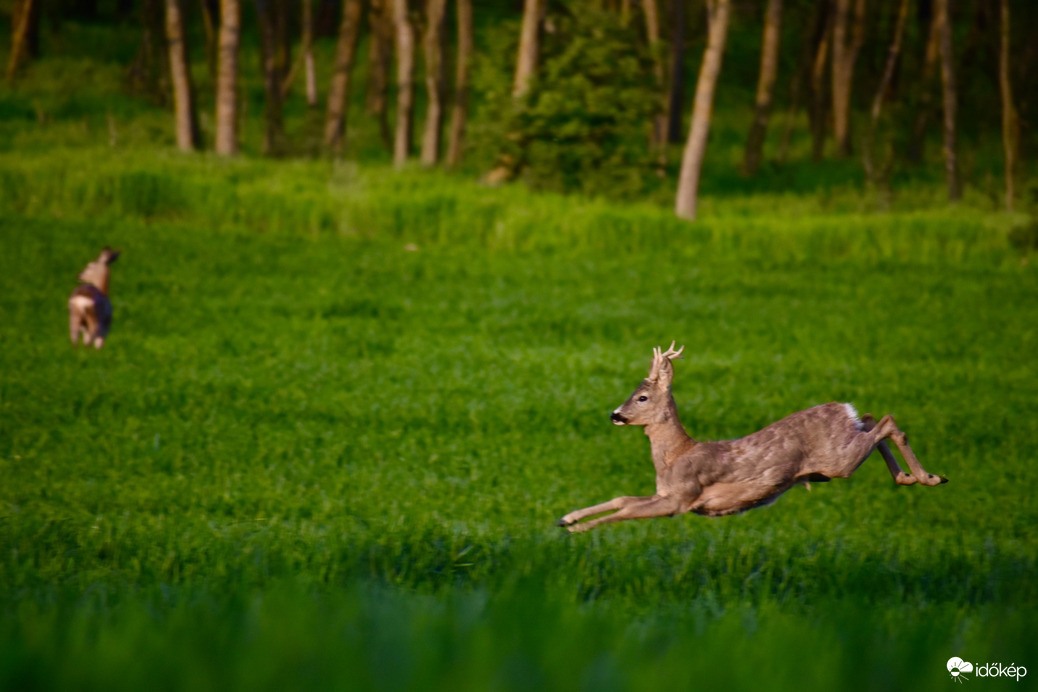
{"x":585,"y":125}
{"x":312,"y":455}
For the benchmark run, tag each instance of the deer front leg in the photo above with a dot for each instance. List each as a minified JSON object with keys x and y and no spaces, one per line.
{"x":616,"y":503}
{"x":626,"y":508}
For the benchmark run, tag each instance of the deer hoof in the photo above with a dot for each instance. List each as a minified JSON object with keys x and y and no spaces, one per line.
{"x":563,"y":523}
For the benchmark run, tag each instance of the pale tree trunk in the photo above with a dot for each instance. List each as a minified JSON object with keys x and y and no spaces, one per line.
{"x":868,"y":155}
{"x":847,"y":42}
{"x":765,"y":86}
{"x":526,"y":63}
{"x":25,"y":21}
{"x":227,"y":78}
{"x":1009,"y":121}
{"x":339,"y":91}
{"x":272,"y":67}
{"x":435,"y":11}
{"x":309,"y":66}
{"x":404,"y":82}
{"x":380,"y":49}
{"x":459,"y":109}
{"x":306,"y":57}
{"x":186,"y":118}
{"x":525,"y":69}
{"x":695,"y":149}
{"x":951,"y":163}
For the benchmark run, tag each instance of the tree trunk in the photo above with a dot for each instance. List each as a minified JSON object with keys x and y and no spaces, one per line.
{"x":210,"y":19}
{"x":525,"y":68}
{"x":695,"y":149}
{"x":339,"y":91}
{"x":25,"y":24}
{"x":404,"y":82}
{"x":765,"y":86}
{"x":816,"y":112}
{"x":526,"y":63}
{"x":149,"y":72}
{"x":1009,"y":121}
{"x":801,"y":80}
{"x":951,"y":163}
{"x":186,"y":117}
{"x":845,"y":54}
{"x":459,"y":110}
{"x":868,"y":159}
{"x":272,"y":67}
{"x":915,"y":144}
{"x":652,"y":33}
{"x":227,"y":79}
{"x":435,"y":11}
{"x":380,"y":21}
{"x":676,"y":95}
{"x":309,"y":66}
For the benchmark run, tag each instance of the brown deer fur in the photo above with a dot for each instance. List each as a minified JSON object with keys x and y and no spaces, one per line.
{"x":89,"y":309}
{"x":718,"y":478}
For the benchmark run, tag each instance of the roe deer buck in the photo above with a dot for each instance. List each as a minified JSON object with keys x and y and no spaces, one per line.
{"x":89,"y":309}
{"x":718,"y":478}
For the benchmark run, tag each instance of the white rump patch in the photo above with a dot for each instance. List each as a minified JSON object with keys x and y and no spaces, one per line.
{"x":852,"y":413}
{"x":81,"y":303}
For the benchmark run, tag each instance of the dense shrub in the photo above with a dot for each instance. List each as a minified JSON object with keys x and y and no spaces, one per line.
{"x":585,"y":125}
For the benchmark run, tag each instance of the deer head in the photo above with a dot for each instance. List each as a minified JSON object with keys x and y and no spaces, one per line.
{"x":651,"y":402}
{"x":96,"y":272}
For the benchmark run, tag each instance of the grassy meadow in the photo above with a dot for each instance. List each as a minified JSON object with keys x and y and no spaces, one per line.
{"x":341,"y":408}
{"x":340,"y":411}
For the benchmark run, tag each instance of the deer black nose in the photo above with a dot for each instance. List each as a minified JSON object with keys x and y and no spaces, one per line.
{"x":618,"y":418}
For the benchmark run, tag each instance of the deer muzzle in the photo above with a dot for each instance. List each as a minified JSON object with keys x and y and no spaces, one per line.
{"x":618,"y":418}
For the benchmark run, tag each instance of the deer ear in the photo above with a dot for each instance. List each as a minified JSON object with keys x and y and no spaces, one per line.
{"x":664,"y":373}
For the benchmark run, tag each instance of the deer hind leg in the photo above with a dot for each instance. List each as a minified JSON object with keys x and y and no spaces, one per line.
{"x":74,"y":325}
{"x":79,"y":319}
{"x":887,"y":428}
{"x":626,"y":508}
{"x":868,"y":423}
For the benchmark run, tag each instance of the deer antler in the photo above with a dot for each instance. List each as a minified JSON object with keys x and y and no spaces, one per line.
{"x":659,"y":357}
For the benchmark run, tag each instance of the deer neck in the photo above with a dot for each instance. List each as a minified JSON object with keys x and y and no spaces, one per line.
{"x":96,"y":276}
{"x":668,"y":438}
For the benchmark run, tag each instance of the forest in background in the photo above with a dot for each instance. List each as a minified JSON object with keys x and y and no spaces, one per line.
{"x":602,"y":97}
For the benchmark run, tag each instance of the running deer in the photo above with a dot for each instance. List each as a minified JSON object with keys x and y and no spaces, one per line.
{"x":89,"y":309}
{"x":718,"y":478}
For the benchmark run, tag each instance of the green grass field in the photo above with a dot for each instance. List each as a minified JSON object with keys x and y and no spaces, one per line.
{"x":311,"y":456}
{"x":341,"y":408}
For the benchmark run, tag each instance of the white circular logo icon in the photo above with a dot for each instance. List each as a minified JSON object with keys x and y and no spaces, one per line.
{"x":957,"y":667}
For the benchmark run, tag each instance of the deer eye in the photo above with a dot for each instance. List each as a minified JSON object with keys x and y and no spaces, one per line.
{"x":643,"y":398}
